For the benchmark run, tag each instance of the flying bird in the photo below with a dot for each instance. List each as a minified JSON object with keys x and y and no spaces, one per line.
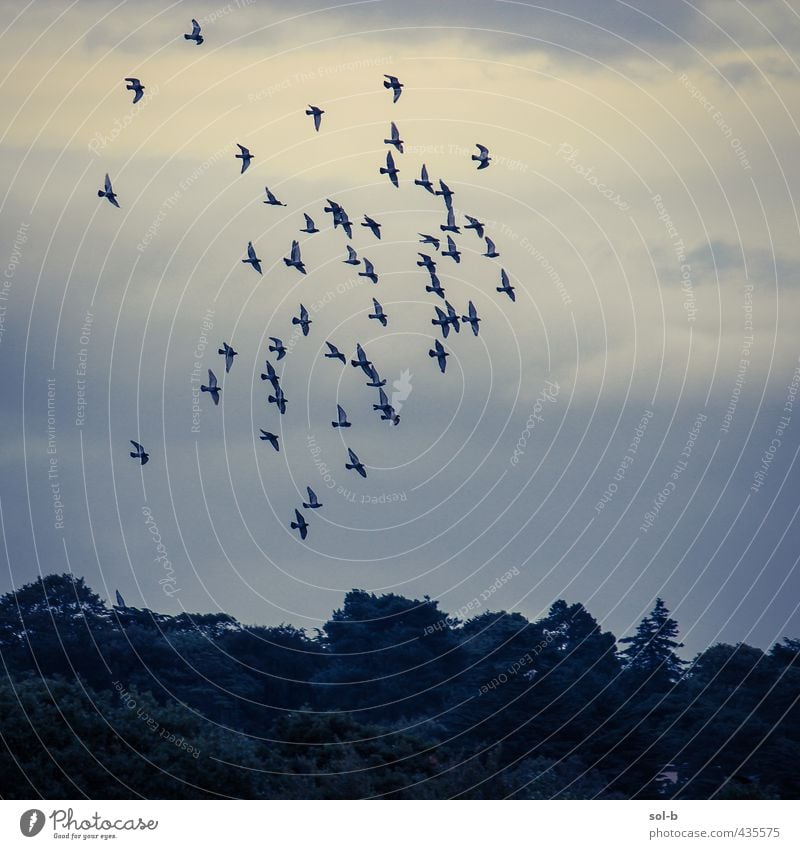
{"x":279,"y":399}
{"x":135,"y":86}
{"x":341,"y":416}
{"x":266,"y":436}
{"x":471,"y":318}
{"x":340,"y":217}
{"x":310,"y":226}
{"x":352,"y":257}
{"x":272,"y":376}
{"x":386,"y":409}
{"x":452,"y":251}
{"x":212,"y":388}
{"x":245,"y":156}
{"x":475,"y":225}
{"x":294,"y":260}
{"x":355,"y":463}
{"x":277,"y":347}
{"x":452,"y":316}
{"x":506,"y":288}
{"x":335,"y":354}
{"x":441,"y":321}
{"x":391,"y":170}
{"x":451,"y":226}
{"x":373,"y":225}
{"x":252,"y":259}
{"x":300,"y":525}
{"x":369,"y":271}
{"x":491,"y":251}
{"x":441,"y":355}
{"x":429,"y":240}
{"x":304,"y":321}
{"x":446,"y":192}
{"x":379,"y":314}
{"x":139,"y":453}
{"x":271,"y":199}
{"x":395,"y":85}
{"x":108,"y":192}
{"x":227,"y":352}
{"x":375,"y":381}
{"x":395,"y":140}
{"x":361,"y":361}
{"x":483,"y":159}
{"x":317,"y":113}
{"x":120,"y":599}
{"x":195,"y":36}
{"x":424,"y":180}
{"x":427,"y":263}
{"x":313,"y":502}
{"x":435,"y":286}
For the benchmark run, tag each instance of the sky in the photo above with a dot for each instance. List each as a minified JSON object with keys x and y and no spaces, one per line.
{"x":628,"y":428}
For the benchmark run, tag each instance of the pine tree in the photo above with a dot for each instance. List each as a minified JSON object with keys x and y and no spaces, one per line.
{"x":651,"y":650}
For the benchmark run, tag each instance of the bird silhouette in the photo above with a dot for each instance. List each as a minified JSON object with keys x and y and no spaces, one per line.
{"x":441,"y":355}
{"x":195,"y":36}
{"x":452,"y":316}
{"x":355,"y":463}
{"x":435,"y":287}
{"x":361,"y":361}
{"x":395,"y":85}
{"x":391,"y":170}
{"x":491,"y":251}
{"x":266,"y":436}
{"x":245,"y":156}
{"x":483,"y":159}
{"x":139,"y":453}
{"x":271,"y":199}
{"x":424,"y":180}
{"x":352,"y":257}
{"x":252,"y":259}
{"x":471,"y":318}
{"x":386,"y":409}
{"x":300,"y":525}
{"x":429,"y":240}
{"x":373,"y":225}
{"x":313,"y":502}
{"x":304,"y":321}
{"x":310,"y":226}
{"x":450,"y":226}
{"x":395,"y":140}
{"x":379,"y":314}
{"x":475,"y":225}
{"x":317,"y":113}
{"x":136,"y":87}
{"x":271,"y":376}
{"x":341,"y":416}
{"x":277,"y":347}
{"x":108,"y":192}
{"x":294,"y":260}
{"x":452,"y":251}
{"x":227,"y":352}
{"x":279,"y":399}
{"x":369,"y":271}
{"x":441,"y":321}
{"x":446,"y":192}
{"x":335,"y":354}
{"x":340,"y":218}
{"x":212,"y":388}
{"x":506,"y":288}
{"x":375,"y":381}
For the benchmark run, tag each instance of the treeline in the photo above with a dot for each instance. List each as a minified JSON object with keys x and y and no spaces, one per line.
{"x":392,"y":698}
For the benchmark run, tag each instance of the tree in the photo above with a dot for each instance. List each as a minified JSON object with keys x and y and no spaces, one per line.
{"x":651,"y":650}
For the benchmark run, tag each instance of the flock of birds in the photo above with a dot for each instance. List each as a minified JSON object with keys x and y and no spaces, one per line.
{"x":446,"y":319}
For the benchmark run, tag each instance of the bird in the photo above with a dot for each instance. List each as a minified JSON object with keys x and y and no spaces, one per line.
{"x":395,"y":140}
{"x":120,"y":599}
{"x":317,"y":113}
{"x":483,"y":159}
{"x":491,"y":251}
{"x":139,"y":453}
{"x":300,"y":525}
{"x":427,"y":263}
{"x":303,"y":320}
{"x":379,"y":314}
{"x":271,"y":199}
{"x":506,"y":288}
{"x":271,"y":376}
{"x":395,"y":85}
{"x":361,"y":361}
{"x":424,"y":180}
{"x":277,"y":348}
{"x":339,"y":217}
{"x":452,"y":316}
{"x":441,"y":321}
{"x":391,"y":170}
{"x":375,"y":381}
{"x":335,"y":354}
{"x":471,"y":318}
{"x":245,"y":156}
{"x":383,"y":405}
{"x":266,"y":436}
{"x":452,"y":251}
{"x":279,"y":399}
{"x":446,"y":192}
{"x":195,"y":36}
{"x":451,"y":226}
{"x":108,"y":192}
{"x":352,"y":257}
{"x":429,"y":240}
{"x":252,"y":259}
{"x":441,"y":355}
{"x":369,"y":271}
{"x":355,"y":463}
{"x":310,"y":226}
{"x":136,"y":87}
{"x":341,"y":416}
{"x":212,"y":388}
{"x":313,"y":502}
{"x":227,"y":352}
{"x":435,"y":286}
{"x":373,"y":225}
{"x":475,"y":225}
{"x":294,"y":260}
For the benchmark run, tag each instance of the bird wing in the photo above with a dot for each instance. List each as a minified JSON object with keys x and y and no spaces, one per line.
{"x":382,"y":395}
{"x":451,"y":245}
{"x":108,"y":186}
{"x":504,"y":278}
{"x":295,"y":251}
{"x":482,"y":149}
{"x":137,"y":446}
{"x":212,"y":379}
{"x":251,"y":253}
{"x":195,"y":27}
{"x":309,"y":221}
{"x":353,"y":457}
{"x":303,"y":313}
{"x":424,"y":174}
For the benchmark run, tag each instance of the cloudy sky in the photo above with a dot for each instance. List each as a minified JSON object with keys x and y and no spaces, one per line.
{"x":626,"y":429}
